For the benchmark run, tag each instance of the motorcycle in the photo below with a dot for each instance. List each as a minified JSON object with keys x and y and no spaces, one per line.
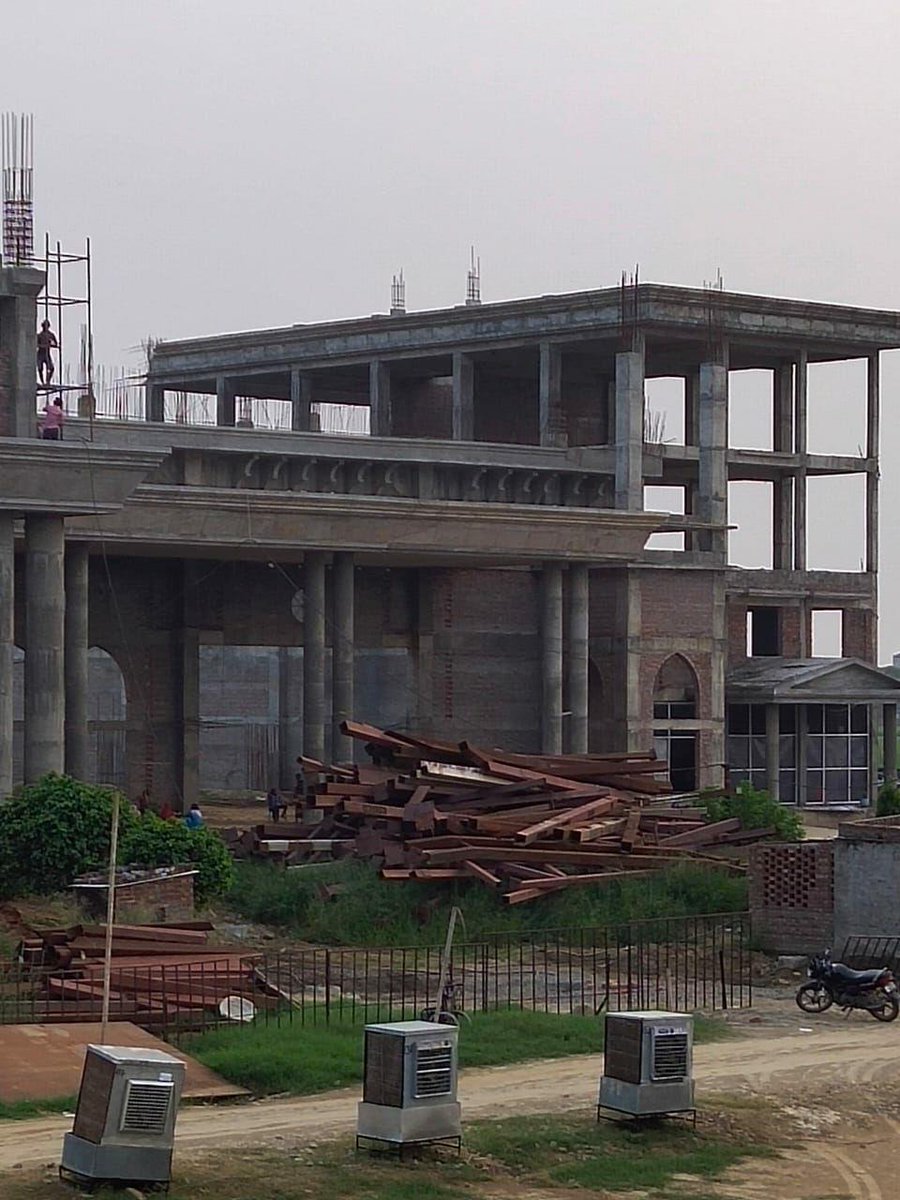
{"x":833,"y":983}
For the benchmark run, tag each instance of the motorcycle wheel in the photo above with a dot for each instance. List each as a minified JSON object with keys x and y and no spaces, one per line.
{"x":814,"y":998}
{"x":888,"y":1011}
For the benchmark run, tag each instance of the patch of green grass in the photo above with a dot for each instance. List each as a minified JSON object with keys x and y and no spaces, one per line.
{"x":373,"y":912}
{"x":270,"y":1059}
{"x":22,"y":1110}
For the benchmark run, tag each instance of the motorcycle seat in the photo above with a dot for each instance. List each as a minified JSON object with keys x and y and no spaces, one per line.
{"x":850,"y":976}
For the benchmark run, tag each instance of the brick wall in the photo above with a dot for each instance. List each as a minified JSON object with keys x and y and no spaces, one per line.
{"x":169,"y":898}
{"x":859,"y":634}
{"x":792,"y":896}
{"x":736,"y":631}
{"x":422,"y":408}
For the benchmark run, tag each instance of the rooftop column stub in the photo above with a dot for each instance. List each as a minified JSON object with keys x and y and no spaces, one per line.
{"x":301,"y":400}
{"x":630,"y":430}
{"x":19,"y":288}
{"x":463,"y":415}
{"x":155,"y":402}
{"x":379,"y":400}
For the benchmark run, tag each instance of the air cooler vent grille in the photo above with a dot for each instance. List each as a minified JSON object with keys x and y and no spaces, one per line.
{"x":146,"y":1108}
{"x":434,"y":1070}
{"x":670,"y":1055}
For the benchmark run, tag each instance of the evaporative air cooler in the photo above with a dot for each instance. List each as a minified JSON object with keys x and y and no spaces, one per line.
{"x":647,"y":1064}
{"x":124,"y":1127}
{"x":409,"y":1084}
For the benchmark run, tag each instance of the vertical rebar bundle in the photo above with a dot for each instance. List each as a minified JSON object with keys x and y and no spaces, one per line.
{"x":473,"y":280}
{"x":17,"y":139}
{"x":398,"y":294}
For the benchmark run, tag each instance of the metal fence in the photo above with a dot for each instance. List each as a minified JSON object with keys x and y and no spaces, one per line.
{"x":684,"y":963}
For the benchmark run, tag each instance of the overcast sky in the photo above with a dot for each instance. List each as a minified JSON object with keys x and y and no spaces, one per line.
{"x":259,"y":163}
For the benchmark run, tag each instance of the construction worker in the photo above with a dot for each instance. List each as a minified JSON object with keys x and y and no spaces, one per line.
{"x":46,"y":344}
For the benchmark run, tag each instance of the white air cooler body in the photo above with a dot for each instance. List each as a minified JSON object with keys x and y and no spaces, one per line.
{"x":409,"y":1083}
{"x":125,"y":1120}
{"x":647,"y":1065}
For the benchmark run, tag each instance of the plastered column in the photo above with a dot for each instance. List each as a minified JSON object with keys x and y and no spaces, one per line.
{"x":45,"y":605}
{"x":577,"y":660}
{"x":551,"y":658}
{"x":314,"y":655}
{"x":76,"y":650}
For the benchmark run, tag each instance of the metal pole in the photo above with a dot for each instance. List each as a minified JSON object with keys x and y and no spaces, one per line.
{"x":90,"y":341}
{"x":110,"y":914}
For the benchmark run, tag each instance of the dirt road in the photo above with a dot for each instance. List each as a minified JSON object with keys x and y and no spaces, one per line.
{"x":801,"y":1068}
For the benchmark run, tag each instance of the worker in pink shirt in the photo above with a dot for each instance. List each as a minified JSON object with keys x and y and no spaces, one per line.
{"x":54,"y":419}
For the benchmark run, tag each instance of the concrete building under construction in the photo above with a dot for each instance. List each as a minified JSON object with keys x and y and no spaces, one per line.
{"x":476,"y":566}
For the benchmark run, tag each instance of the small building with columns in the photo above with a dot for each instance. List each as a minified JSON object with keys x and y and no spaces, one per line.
{"x":477,"y":565}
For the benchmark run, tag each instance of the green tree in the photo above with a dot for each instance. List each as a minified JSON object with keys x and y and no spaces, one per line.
{"x":756,"y":810}
{"x":54,"y":830}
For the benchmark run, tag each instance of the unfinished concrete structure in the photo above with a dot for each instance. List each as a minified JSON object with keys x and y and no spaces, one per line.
{"x":489,"y":535}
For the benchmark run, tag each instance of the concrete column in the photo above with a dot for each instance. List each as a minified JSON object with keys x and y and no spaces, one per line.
{"x":301,"y":400}
{"x":343,"y":655}
{"x":889,"y":727}
{"x":225,"y":394}
{"x":45,"y":606}
{"x":773,"y":757}
{"x":76,"y":650}
{"x":873,"y":419}
{"x":380,"y":422}
{"x":800,"y":449}
{"x":155,"y":402}
{"x":463,"y":398}
{"x":18,"y":331}
{"x":783,"y":489}
{"x":577,"y":659}
{"x":187,"y":674}
{"x":552,"y":419}
{"x":802,"y":736}
{"x":290,"y":725}
{"x":713,"y":465}
{"x":314,"y":654}
{"x":630,"y":430}
{"x":551,"y":659}
{"x":692,"y":408}
{"x":7,"y":606}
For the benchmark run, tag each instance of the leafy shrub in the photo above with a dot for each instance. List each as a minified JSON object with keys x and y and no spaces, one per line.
{"x":888,"y":803}
{"x":152,"y":842}
{"x":54,"y":830}
{"x":756,"y":810}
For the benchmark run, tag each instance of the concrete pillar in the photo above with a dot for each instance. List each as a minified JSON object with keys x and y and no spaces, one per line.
{"x":552,"y":419}
{"x":314,"y":654}
{"x":18,"y":332}
{"x":713,"y":465}
{"x":889,"y":727}
{"x":800,"y":449}
{"x":802,"y":744}
{"x":692,"y":408}
{"x":7,"y":606}
{"x":873,"y":418}
{"x":301,"y":400}
{"x":225,"y":394}
{"x":551,"y":659}
{"x":463,"y":398}
{"x":783,"y":489}
{"x":76,"y":651}
{"x":577,"y":659}
{"x":290,"y":723}
{"x":45,"y":606}
{"x":155,"y":402}
{"x":187,"y":675}
{"x":773,"y":756}
{"x":629,"y":419}
{"x":380,"y":422}
{"x":343,"y":657}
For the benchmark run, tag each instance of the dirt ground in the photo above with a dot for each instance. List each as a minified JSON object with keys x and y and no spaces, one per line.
{"x":837,"y":1079}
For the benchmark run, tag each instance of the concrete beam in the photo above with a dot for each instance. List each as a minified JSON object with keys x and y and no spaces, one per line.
{"x":76,"y":659}
{"x":68,"y":477}
{"x":45,"y":694}
{"x":7,"y":607}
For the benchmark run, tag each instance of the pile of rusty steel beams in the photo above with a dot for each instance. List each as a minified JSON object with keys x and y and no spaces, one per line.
{"x":525,"y":825}
{"x":159,"y":973}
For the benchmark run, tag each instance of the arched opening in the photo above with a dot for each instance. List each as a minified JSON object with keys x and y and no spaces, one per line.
{"x":675,"y":735}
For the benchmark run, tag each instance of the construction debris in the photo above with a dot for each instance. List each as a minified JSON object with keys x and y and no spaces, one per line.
{"x":523,"y":825}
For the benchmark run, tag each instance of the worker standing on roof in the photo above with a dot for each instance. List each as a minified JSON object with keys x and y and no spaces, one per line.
{"x":46,"y":344}
{"x":54,"y":419}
